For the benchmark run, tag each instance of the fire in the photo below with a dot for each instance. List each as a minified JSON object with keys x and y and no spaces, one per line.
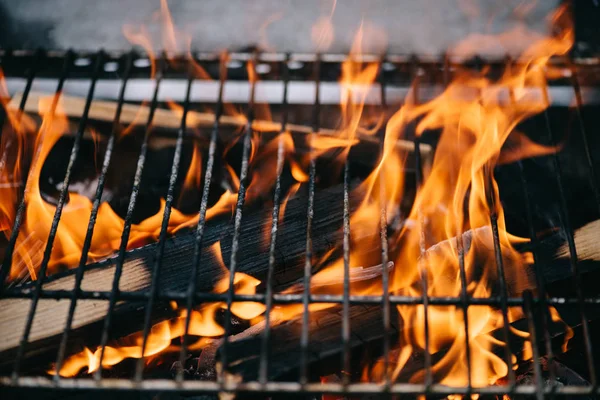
{"x":194,"y":174}
{"x":24,"y":136}
{"x":460,"y":195}
{"x":477,"y":128}
{"x":71,"y":232}
{"x":476,"y":117}
{"x":161,"y":336}
{"x":15,"y":145}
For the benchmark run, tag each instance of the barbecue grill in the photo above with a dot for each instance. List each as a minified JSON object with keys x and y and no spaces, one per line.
{"x":302,"y":91}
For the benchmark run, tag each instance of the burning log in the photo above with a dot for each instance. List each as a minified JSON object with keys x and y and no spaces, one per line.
{"x":367,"y":322}
{"x":324,"y":342}
{"x":178,"y":256}
{"x":174,"y":275}
{"x":552,"y":250}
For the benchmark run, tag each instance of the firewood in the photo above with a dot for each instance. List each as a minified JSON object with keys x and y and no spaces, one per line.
{"x":178,"y":252}
{"x":586,"y":242}
{"x":368,"y":327}
{"x":325,"y":347}
{"x":324,"y":341}
{"x":553,"y":253}
{"x":178,"y":256}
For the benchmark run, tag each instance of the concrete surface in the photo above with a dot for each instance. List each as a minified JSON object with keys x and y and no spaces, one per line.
{"x":400,"y":26}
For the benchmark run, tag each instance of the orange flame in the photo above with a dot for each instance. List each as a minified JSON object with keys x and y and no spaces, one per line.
{"x":322,"y":31}
{"x":194,"y":174}
{"x":356,"y":84}
{"x":14,"y":146}
{"x":459,"y":194}
{"x":71,"y":232}
{"x":161,"y":336}
{"x":22,"y":138}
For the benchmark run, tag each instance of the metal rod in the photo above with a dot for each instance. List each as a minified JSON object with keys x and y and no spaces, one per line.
{"x":164,"y":228}
{"x":385,"y":285}
{"x":76,"y":292}
{"x":190,"y":298}
{"x":564,"y":213}
{"x":490,"y":194}
{"x":128,"y":222}
{"x":423,"y":264}
{"x":540,"y":282}
{"x":503,"y":291}
{"x":537,"y":369}
{"x":202,"y":56}
{"x":493,"y":301}
{"x":593,"y":176}
{"x":539,"y":273}
{"x":35,"y":63}
{"x":346,"y":286}
{"x":265,"y":351}
{"x":14,"y":233}
{"x":464,"y":296}
{"x":297,"y":298}
{"x":238,"y":219}
{"x":465,"y":301}
{"x":108,"y":386}
{"x":306,"y":295}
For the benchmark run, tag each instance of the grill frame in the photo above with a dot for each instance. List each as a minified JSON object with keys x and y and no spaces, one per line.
{"x":528,"y":301}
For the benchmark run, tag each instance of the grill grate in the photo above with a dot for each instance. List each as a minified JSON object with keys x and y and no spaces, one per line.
{"x":323,"y":66}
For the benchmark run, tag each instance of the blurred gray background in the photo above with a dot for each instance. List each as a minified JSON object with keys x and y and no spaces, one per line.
{"x":398,"y":26}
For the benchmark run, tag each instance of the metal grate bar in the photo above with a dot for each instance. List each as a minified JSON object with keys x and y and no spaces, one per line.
{"x":537,"y":369}
{"x":564,"y":213}
{"x":385,"y":284}
{"x":501,"y":285}
{"x":30,"y":76}
{"x":422,"y":263}
{"x":306,"y":297}
{"x":346,"y":286}
{"x":265,"y":351}
{"x":191,"y":289}
{"x":238,"y":215}
{"x":35,"y":63}
{"x":540,"y":281}
{"x":289,"y":388}
{"x":279,"y":298}
{"x":539,"y":273}
{"x":464,"y":296}
{"x":593,"y":176}
{"x":491,"y":202}
{"x":139,"y":370}
{"x":128,"y":221}
{"x":7,"y":261}
{"x":298,"y":298}
{"x":76,"y":292}
{"x":57,"y":214}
